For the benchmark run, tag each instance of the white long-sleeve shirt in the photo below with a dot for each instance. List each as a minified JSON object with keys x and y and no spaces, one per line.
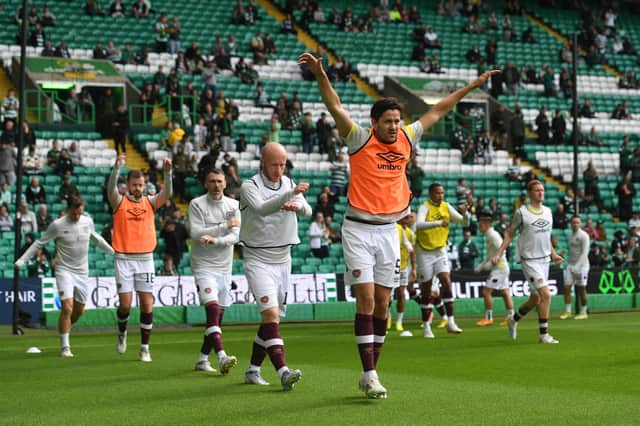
{"x":493,"y":241}
{"x":456,"y":217}
{"x":208,"y":216}
{"x":267,"y":231}
{"x":579,"y":249}
{"x":72,"y":244}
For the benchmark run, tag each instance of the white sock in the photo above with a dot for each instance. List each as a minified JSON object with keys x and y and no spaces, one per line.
{"x":64,"y":340}
{"x":567,"y":307}
{"x":282,"y":370}
{"x":510,"y":312}
{"x":488,"y":314}
{"x":400,"y":317}
{"x":371,"y":374}
{"x":221,"y":354}
{"x":144,"y":348}
{"x":203,"y":357}
{"x":450,"y":319}
{"x":583,"y":309}
{"x":445,"y":317}
{"x":427,"y":324}
{"x":253,"y":368}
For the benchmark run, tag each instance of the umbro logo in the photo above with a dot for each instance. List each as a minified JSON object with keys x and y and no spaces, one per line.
{"x":391,"y":156}
{"x":136,"y":211}
{"x":540,"y":223}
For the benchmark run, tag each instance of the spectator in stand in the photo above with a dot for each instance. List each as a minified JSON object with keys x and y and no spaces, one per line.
{"x":99,"y":52}
{"x":5,"y":194}
{"x":6,"y":222}
{"x":339,"y":175}
{"x":249,"y":75}
{"x":415,"y":174}
{"x":431,"y":39}
{"x":31,"y":163}
{"x":92,"y":8}
{"x":566,"y":82}
{"x":175,"y":237}
{"x":323,"y":131}
{"x":75,"y":154}
{"x":591,"y":230}
{"x":473,"y":55}
{"x":180,"y":170}
{"x":140,"y":9}
{"x":467,"y":252}
{"x":560,"y":218}
{"x":35,"y":193}
{"x":549,"y":82}
{"x":318,"y":237}
{"x":626,"y":156}
{"x":558,"y":128}
{"x":168,"y":268}
{"x":625,"y":192}
{"x":335,"y":233}
{"x":511,"y":78}
{"x":67,"y":189}
{"x":621,"y":112}
{"x":587,"y":109}
{"x":43,"y":218}
{"x":257,"y":47}
{"x":113,"y":53}
{"x":602,"y":232}
{"x":48,"y":50}
{"x":233,"y":182}
{"x":117,"y":9}
{"x":635,"y":166}
{"x":527,"y":35}
{"x":325,"y":205}
{"x":499,"y":126}
{"x":628,"y":81}
{"x":543,"y":128}
{"x":10,"y":106}
{"x":64,"y":165}
{"x":308,"y":133}
{"x":288,"y":25}
{"x":120,"y":127}
{"x":28,"y":220}
{"x":632,"y":254}
{"x":174,"y":28}
{"x":62,"y":51}
{"x":269,"y":45}
{"x":592,"y":139}
{"x":517,"y":131}
{"x":37,"y":37}
{"x":592,"y":192}
{"x":231,"y":47}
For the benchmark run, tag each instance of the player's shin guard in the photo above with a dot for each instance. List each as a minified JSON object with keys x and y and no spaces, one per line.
{"x":543,"y":323}
{"x":258,"y":352}
{"x":426,"y":308}
{"x":379,"y":332}
{"x":146,"y":325}
{"x":447,"y":298}
{"x":439,"y":304}
{"x":364,"y":338}
{"x":273,"y":344}
{"x":123,"y":318}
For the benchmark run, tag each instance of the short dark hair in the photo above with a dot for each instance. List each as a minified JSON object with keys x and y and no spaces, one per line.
{"x":433,"y":186}
{"x":384,"y":104}
{"x":134,"y":174}
{"x":75,"y":201}
{"x":213,"y":170}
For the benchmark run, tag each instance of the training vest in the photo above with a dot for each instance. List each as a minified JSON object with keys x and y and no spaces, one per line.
{"x":534,"y":242}
{"x":435,"y":238}
{"x":134,"y":228}
{"x":404,"y":253}
{"x":378,"y":183}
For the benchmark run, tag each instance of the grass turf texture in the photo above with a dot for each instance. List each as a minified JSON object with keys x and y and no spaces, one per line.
{"x":479,"y":377}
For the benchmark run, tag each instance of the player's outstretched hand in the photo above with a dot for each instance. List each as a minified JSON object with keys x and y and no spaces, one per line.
{"x":313,"y":64}
{"x":121,"y":160}
{"x":290,"y":206}
{"x":166,"y":164}
{"x":301,"y":188}
{"x":445,"y":223}
{"x":233,"y":223}
{"x":478,"y":82}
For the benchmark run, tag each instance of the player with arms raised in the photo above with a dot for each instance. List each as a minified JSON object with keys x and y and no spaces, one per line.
{"x":134,"y":240}
{"x":378,"y":197}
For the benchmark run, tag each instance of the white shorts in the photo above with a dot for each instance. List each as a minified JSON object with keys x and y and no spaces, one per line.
{"x":431,"y":263}
{"x":404,"y":276}
{"x":371,"y":253}
{"x":213,"y":287}
{"x":269,"y":283}
{"x":72,"y":285}
{"x":575,"y":275}
{"x":498,"y":279}
{"x":134,"y":274}
{"x":536,"y":273}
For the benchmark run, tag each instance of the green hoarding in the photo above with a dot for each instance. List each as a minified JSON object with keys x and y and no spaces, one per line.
{"x":85,"y":69}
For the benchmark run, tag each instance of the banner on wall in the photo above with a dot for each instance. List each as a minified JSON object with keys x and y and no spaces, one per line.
{"x":30,"y":297}
{"x":181,"y":291}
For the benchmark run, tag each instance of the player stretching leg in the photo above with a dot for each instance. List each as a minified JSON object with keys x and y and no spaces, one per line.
{"x":269,"y":202}
{"x":499,"y":276}
{"x":534,"y":221}
{"x":134,"y":240}
{"x":577,"y":271}
{"x":214,"y":226}
{"x":434,"y":217}
{"x":378,"y":197}
{"x":72,"y":234}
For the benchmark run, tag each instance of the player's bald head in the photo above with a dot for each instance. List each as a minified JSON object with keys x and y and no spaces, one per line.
{"x":274,"y":160}
{"x":273,"y":150}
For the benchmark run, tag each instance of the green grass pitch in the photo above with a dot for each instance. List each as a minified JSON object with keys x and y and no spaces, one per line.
{"x":479,"y":377}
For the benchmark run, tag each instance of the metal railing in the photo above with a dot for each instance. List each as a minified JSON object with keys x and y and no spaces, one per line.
{"x":142,"y":114}
{"x":44,"y":105}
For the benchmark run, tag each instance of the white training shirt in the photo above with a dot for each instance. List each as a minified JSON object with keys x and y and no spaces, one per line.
{"x":357,"y":137}
{"x":268,"y":232}
{"x":72,"y":244}
{"x":579,"y":249}
{"x":493,"y":241}
{"x":208,"y":216}
{"x":535,"y":227}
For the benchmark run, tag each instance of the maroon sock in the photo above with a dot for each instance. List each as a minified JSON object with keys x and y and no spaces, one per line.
{"x":544,"y":325}
{"x":123,"y":318}
{"x":273,"y":343}
{"x":522,"y":312}
{"x":364,"y":337}
{"x":426,"y":307}
{"x":146,"y":324}
{"x":437,"y":301}
{"x":213,"y":333}
{"x":221,"y":316}
{"x":258,"y":352}
{"x":447,"y":298}
{"x":379,"y":332}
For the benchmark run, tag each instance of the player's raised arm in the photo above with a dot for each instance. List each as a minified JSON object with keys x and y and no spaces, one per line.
{"x":421,"y":223}
{"x":445,"y":105}
{"x":167,"y":191}
{"x":461,"y":217}
{"x":112,"y":185}
{"x":329,"y":95}
{"x":50,"y":234}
